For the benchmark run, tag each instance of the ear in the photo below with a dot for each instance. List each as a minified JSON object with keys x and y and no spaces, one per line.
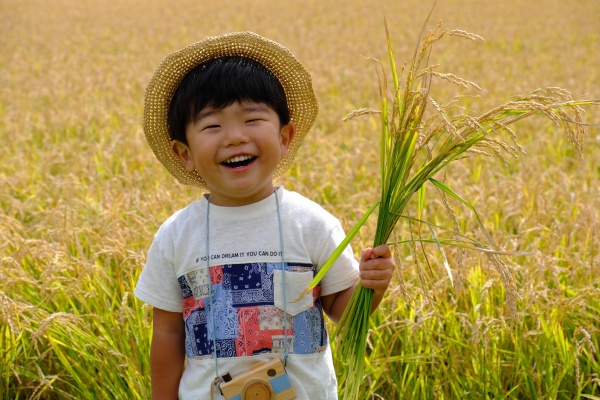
{"x":287,"y":134}
{"x":182,"y":151}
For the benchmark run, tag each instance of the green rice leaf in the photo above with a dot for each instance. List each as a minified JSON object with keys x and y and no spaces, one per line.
{"x":421,"y":201}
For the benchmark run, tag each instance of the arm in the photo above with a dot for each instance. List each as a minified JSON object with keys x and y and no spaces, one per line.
{"x":376,"y":270}
{"x":167,"y":354}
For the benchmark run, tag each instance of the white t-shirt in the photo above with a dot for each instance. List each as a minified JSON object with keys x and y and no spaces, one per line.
{"x":246,"y":312}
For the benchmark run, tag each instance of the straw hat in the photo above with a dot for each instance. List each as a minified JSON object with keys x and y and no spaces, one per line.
{"x":292,"y":75}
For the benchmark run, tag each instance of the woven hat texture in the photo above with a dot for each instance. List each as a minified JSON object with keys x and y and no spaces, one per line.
{"x":293,"y":76}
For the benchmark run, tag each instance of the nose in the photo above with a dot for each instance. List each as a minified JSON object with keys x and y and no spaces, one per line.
{"x":235,"y":135}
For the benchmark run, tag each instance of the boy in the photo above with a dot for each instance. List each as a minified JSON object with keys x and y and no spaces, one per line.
{"x":228,"y":114}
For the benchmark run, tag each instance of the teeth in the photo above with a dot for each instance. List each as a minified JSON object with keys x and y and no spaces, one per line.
{"x":238,"y":159}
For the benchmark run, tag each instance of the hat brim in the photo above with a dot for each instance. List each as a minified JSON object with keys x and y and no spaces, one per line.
{"x":293,"y":76}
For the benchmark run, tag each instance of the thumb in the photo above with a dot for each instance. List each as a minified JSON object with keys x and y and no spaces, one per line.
{"x":367,"y":254}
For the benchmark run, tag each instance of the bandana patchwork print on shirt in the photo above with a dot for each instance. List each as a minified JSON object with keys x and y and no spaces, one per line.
{"x":247,"y":322}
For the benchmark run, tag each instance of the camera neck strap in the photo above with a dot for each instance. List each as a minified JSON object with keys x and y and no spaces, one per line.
{"x":212,"y":308}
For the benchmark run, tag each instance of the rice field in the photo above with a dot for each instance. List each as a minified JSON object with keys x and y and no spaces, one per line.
{"x":81,"y":194}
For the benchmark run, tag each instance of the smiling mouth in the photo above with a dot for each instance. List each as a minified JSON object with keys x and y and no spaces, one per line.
{"x":239,"y":161}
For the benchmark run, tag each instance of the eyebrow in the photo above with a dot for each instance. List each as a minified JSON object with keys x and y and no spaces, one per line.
{"x":246,"y":107}
{"x":207,"y":112}
{"x":255,"y":107}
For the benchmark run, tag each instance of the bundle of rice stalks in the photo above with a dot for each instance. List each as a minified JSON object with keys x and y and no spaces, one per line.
{"x":416,"y":146}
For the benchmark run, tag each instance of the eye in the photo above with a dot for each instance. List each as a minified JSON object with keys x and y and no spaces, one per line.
{"x":211,"y":127}
{"x":254,"y":120}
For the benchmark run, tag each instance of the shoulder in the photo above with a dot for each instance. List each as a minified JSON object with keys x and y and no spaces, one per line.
{"x":181,"y":221}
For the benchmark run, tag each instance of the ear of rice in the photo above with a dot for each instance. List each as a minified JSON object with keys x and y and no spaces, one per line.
{"x":414,"y":150}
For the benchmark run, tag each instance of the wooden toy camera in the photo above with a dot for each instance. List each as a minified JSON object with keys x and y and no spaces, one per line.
{"x":264,"y":381}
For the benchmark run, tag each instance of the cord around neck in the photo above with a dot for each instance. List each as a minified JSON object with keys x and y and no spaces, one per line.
{"x":211,"y":296}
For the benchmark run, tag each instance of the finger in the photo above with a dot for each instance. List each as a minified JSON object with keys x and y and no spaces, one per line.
{"x":381,"y":251}
{"x":366,"y":255}
{"x":380,"y":271}
{"x":375,"y":274}
{"x":376,"y":284}
{"x":379,"y":264}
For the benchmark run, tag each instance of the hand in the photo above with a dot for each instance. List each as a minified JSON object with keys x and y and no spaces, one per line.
{"x":376,"y":270}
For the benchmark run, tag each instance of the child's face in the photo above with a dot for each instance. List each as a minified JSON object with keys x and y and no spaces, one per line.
{"x":236,"y":150}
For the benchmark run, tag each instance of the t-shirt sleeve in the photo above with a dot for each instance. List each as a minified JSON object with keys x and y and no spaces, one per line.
{"x":344,"y":272}
{"x":158,"y":285}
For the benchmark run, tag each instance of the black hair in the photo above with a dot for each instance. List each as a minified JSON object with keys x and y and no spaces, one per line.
{"x":220,"y":82}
